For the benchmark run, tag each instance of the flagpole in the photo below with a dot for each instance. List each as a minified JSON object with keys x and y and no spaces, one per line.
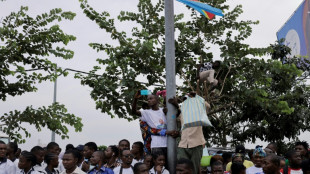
{"x":170,"y":81}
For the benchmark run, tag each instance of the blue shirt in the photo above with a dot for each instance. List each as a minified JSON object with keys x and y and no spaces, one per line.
{"x":102,"y":170}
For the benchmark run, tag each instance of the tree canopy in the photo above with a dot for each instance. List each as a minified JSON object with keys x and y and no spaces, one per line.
{"x":256,"y":98}
{"x":27,"y":47}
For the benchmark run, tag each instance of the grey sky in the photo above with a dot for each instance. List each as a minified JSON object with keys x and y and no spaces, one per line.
{"x":99,"y":127}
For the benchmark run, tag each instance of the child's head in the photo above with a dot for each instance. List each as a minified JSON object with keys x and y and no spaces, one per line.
{"x":159,"y":159}
{"x":152,"y":100}
{"x":140,"y":168}
{"x":237,"y":168}
{"x":27,"y":160}
{"x":148,"y":161}
{"x":51,"y":159}
{"x":184,"y":166}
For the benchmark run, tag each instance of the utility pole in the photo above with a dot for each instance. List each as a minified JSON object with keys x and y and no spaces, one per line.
{"x":54,"y":101}
{"x":170,"y":81}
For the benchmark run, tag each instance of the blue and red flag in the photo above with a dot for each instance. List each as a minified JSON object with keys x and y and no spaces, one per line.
{"x":205,"y":9}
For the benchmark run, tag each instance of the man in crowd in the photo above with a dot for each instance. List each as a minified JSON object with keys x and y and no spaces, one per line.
{"x":258,"y":156}
{"x":217,"y":168}
{"x":54,"y":148}
{"x":125,"y":167}
{"x":240,"y":149}
{"x":39,"y":154}
{"x":192,"y":142}
{"x":271,"y":164}
{"x":184,"y":166}
{"x":70,"y":160}
{"x":138,"y":153}
{"x":302,"y":148}
{"x":271,"y":148}
{"x":123,"y":144}
{"x":97,"y":160}
{"x":295,"y":161}
{"x":6,"y":165}
{"x":155,"y":118}
{"x":89,"y":149}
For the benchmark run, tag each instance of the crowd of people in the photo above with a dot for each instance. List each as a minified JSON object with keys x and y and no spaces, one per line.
{"x":125,"y":158}
{"x":150,"y":156}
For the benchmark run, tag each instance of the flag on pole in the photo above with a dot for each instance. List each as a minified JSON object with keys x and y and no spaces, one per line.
{"x":205,"y":9}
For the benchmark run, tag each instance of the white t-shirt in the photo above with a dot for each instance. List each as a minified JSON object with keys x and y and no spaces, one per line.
{"x":155,"y":119}
{"x":40,"y":168}
{"x":134,"y":161}
{"x":164,"y":171}
{"x":254,"y":170}
{"x":7,"y":167}
{"x":125,"y":170}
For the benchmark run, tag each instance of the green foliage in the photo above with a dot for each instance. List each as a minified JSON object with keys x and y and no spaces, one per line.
{"x":54,"y":117}
{"x":102,"y":148}
{"x":27,"y":45}
{"x":28,"y":42}
{"x":255,"y":97}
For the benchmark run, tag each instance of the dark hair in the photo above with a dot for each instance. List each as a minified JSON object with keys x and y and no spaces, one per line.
{"x":69,"y":146}
{"x":140,"y":145}
{"x":48,"y":157}
{"x":2,"y":142}
{"x":274,"y":145}
{"x":92,"y":146}
{"x":226,"y":156}
{"x":302,"y":143}
{"x":236,"y":168}
{"x":157,"y":154}
{"x":36,"y":149}
{"x":136,"y":167}
{"x":189,"y":164}
{"x":51,"y":145}
{"x":217,"y":62}
{"x":14,"y":146}
{"x":114,"y":150}
{"x":123,"y":140}
{"x":216,"y":158}
{"x":274,"y":159}
{"x":305,"y":166}
{"x":289,"y":154}
{"x":29,"y":157}
{"x":74,"y":152}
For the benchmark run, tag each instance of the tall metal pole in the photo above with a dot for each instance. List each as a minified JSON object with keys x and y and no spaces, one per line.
{"x":54,"y":101}
{"x":170,"y":81}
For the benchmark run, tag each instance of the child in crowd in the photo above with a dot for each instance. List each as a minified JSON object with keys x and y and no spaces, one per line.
{"x":140,"y":168}
{"x":26,"y":162}
{"x":159,"y":160}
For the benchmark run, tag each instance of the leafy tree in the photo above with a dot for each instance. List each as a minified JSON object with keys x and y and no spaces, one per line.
{"x":26,"y":45}
{"x":256,"y":97}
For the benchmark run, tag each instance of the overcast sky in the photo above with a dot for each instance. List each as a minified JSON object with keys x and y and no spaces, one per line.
{"x":99,"y":127}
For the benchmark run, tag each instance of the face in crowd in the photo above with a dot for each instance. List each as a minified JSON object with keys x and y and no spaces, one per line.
{"x":96,"y":158}
{"x":127,"y":157}
{"x":69,"y":161}
{"x":271,"y":165}
{"x":3,"y":150}
{"x":123,"y":145}
{"x":87,"y":152}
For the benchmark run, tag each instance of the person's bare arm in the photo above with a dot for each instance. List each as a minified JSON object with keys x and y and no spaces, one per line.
{"x":134,"y":104}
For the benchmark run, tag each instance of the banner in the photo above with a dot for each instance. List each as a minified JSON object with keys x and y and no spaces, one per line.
{"x":296,"y":31}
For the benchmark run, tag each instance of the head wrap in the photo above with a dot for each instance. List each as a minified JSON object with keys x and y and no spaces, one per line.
{"x":259,"y":151}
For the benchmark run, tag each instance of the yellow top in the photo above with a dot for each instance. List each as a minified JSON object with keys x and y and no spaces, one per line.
{"x":246,"y":164}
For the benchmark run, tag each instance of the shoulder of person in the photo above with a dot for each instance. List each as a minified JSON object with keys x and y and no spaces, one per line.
{"x":117,"y":169}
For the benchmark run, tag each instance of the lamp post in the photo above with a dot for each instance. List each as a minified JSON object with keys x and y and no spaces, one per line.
{"x":170,"y":81}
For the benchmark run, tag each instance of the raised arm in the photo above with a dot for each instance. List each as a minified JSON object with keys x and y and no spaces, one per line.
{"x":134,"y":104}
